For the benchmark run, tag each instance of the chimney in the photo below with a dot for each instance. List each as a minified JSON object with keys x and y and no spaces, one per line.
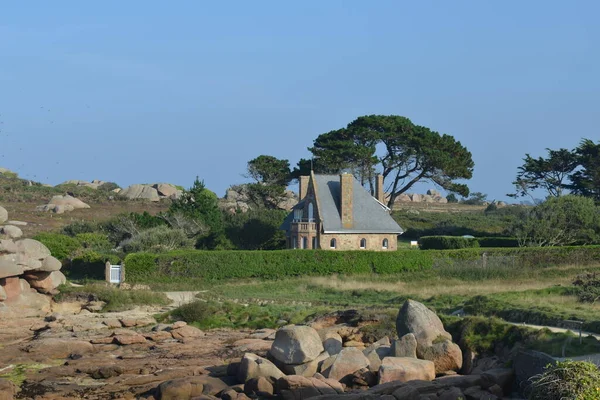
{"x":347,"y":200}
{"x":379,"y":193}
{"x":303,"y":187}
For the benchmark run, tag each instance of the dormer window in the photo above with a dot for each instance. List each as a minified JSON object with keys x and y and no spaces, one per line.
{"x":298,"y":214}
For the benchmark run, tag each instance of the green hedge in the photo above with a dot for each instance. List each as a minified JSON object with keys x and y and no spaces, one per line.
{"x":89,"y":265}
{"x":60,"y":246}
{"x":217,"y":265}
{"x":446,"y":242}
{"x":497,"y":242}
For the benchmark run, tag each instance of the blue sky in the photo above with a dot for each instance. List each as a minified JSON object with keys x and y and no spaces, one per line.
{"x":145,"y":91}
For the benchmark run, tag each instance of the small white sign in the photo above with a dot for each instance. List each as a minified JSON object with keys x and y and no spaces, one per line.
{"x":414,"y":243}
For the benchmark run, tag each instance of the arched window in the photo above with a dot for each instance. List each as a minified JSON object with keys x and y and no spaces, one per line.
{"x":298,"y":214}
{"x":363,"y":243}
{"x":332,"y":243}
{"x":385,"y":244}
{"x":310,"y":211}
{"x":304,"y":242}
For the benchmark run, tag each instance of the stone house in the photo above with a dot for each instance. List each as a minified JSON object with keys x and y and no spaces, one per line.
{"x":335,"y":212}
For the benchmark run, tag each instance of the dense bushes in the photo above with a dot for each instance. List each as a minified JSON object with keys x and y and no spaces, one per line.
{"x":576,"y":380}
{"x":216,"y":265}
{"x":446,"y":242}
{"x":497,"y":242}
{"x":588,"y":287}
{"x":61,"y":246}
{"x":89,"y":265}
{"x":475,"y":223}
{"x":459,"y":242}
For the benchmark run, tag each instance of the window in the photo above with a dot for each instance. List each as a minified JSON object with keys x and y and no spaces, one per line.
{"x":332,"y":243}
{"x":310,"y":211}
{"x":363,"y":243}
{"x":294,"y":242}
{"x":298,"y":214}
{"x":304,"y":242}
{"x":385,"y":244}
{"x":314,"y":242}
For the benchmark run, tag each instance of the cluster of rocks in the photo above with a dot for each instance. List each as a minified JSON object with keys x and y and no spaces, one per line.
{"x":95,"y":184}
{"x":125,"y":355}
{"x":423,"y":363}
{"x":237,"y":199}
{"x":432,"y":196}
{"x":27,"y":271}
{"x":61,"y":204}
{"x":153,"y":192}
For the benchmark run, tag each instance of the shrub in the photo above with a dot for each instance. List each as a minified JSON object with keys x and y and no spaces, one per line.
{"x":95,"y":241}
{"x":228,"y":264}
{"x":446,"y":242}
{"x":588,"y":287}
{"x":60,"y":246}
{"x":216,"y":265}
{"x":157,"y":240}
{"x":89,"y":265}
{"x":78,"y":227}
{"x":210,"y":314}
{"x":108,"y":186}
{"x":577,"y":380}
{"x":497,"y":242}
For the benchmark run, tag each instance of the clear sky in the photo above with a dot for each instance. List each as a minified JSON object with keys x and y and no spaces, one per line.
{"x":148,"y":91}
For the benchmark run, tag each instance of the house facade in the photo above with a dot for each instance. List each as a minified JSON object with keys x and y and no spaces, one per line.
{"x":336,"y":213}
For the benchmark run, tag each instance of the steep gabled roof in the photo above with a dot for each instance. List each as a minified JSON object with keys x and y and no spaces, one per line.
{"x":370,"y":216}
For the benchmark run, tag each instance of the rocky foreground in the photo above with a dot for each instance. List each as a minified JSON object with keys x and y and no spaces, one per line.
{"x":73,"y":353}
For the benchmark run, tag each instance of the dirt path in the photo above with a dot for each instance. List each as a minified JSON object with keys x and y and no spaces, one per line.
{"x":559,"y":330}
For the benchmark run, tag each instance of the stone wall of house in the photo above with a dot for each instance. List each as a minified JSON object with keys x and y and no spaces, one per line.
{"x":347,"y":241}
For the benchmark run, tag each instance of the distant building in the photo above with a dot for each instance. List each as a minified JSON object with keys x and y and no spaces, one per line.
{"x":335,"y":212}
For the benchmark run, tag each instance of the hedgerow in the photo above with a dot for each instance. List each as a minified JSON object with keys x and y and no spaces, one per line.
{"x":447,"y":242}
{"x":218,"y":265}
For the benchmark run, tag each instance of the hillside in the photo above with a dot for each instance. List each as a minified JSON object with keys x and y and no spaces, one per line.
{"x":21,"y":197}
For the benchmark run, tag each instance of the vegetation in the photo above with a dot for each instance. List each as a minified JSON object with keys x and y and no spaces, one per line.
{"x":588,"y":287}
{"x":412,"y":154}
{"x":575,"y":380}
{"x":212,"y":314}
{"x":577,"y":171}
{"x":446,"y":242}
{"x":256,"y":229}
{"x":560,"y":221}
{"x":210,"y":265}
{"x":115,"y":299}
{"x":476,"y":223}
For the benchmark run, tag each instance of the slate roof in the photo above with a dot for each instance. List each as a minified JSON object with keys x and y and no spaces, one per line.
{"x":370,"y":216}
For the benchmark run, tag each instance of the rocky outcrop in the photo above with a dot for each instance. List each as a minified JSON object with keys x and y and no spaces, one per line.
{"x":433,"y":342}
{"x":296,"y":345}
{"x":238,"y":199}
{"x":61,"y":204}
{"x":405,"y":369}
{"x":27,"y":271}
{"x":253,"y":366}
{"x":432,"y":196}
{"x":95,"y":184}
{"x":154,"y":192}
{"x":3,"y":215}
